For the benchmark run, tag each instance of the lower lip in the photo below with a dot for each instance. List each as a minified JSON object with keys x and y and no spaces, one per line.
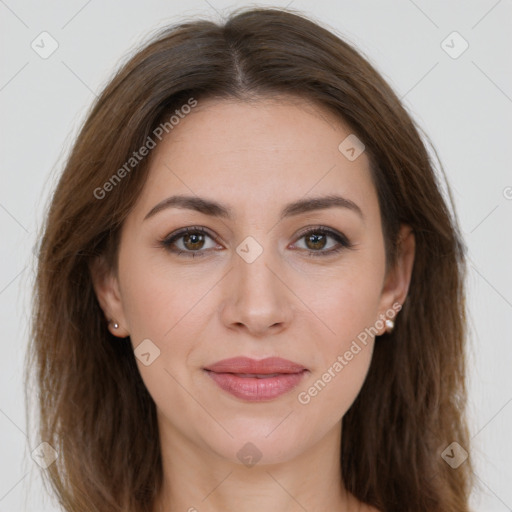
{"x":254,"y":389}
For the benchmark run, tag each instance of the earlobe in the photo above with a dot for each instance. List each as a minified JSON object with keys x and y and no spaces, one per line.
{"x":106,"y":288}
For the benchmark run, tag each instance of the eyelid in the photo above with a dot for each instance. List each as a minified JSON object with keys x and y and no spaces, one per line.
{"x":322,"y":229}
{"x":192,"y":229}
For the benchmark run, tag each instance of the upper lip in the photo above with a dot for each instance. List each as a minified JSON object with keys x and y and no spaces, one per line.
{"x":255,"y":366}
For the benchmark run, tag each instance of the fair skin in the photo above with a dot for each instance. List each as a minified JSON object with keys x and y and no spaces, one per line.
{"x":254,"y":158}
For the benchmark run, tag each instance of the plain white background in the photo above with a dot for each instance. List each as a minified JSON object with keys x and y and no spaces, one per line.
{"x":464,"y":104}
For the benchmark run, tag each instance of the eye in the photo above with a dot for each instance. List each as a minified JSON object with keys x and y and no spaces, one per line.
{"x":192,"y":241}
{"x":189,"y":240}
{"x":316,"y":240}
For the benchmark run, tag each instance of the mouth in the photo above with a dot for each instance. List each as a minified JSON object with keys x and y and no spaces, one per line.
{"x":256,"y":380}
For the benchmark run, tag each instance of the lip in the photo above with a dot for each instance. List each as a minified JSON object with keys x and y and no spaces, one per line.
{"x":256,"y":380}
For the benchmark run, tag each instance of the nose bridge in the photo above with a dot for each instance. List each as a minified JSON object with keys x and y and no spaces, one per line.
{"x":257,"y":298}
{"x":254,"y":278}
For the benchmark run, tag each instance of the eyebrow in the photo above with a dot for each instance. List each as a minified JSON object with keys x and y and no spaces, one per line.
{"x":215,"y":209}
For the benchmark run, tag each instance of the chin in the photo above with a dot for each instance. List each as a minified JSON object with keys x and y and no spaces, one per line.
{"x":263,"y":442}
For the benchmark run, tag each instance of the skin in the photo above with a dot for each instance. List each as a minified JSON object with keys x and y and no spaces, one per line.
{"x":254,"y":157}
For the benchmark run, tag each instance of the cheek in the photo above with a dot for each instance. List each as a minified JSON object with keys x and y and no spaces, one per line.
{"x":330,"y":393}
{"x":158,"y":299}
{"x":349,"y":307}
{"x":350,"y":310}
{"x":169,"y":308}
{"x":347,"y":352}
{"x":164,"y":307}
{"x":348,"y":300}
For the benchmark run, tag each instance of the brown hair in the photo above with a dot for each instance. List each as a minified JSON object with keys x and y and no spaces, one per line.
{"x":93,"y":406}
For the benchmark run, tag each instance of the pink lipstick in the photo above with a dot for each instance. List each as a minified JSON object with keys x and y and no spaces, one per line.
{"x":256,"y":380}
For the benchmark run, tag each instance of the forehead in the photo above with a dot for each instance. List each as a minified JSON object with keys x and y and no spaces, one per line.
{"x":267,"y":150}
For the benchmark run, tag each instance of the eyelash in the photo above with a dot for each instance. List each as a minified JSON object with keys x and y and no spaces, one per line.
{"x":343,"y":242}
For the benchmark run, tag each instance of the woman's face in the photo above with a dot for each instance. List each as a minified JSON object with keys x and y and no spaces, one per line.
{"x":278,"y":272}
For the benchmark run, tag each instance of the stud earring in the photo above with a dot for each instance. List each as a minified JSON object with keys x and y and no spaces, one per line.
{"x":115,"y":325}
{"x":389,"y":325}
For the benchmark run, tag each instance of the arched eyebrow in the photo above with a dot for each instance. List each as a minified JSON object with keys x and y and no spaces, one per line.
{"x":215,"y":209}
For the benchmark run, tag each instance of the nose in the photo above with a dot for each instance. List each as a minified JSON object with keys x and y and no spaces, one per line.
{"x":257,"y":298}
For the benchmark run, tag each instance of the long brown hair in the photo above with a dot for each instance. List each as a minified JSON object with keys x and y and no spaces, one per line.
{"x":93,"y":407}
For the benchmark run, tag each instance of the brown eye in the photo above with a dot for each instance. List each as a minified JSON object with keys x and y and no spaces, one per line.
{"x":193,"y":241}
{"x":189,"y":241}
{"x":316,"y":241}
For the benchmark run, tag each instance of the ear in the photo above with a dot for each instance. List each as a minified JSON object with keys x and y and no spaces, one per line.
{"x":106,"y":287}
{"x":398,"y":277}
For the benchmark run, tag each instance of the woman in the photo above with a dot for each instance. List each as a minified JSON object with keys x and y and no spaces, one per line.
{"x":250,"y":288}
